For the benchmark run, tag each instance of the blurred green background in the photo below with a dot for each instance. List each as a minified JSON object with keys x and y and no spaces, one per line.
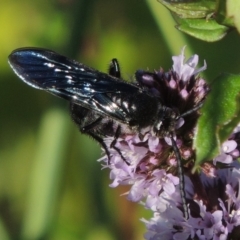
{"x":51,"y":186}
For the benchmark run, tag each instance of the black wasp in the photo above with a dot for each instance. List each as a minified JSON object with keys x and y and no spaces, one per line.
{"x":101,"y":104}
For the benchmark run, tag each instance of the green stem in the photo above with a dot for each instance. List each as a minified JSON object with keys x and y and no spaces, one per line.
{"x":174,"y":38}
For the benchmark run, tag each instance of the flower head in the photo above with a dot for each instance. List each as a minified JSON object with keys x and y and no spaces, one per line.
{"x":145,"y":160}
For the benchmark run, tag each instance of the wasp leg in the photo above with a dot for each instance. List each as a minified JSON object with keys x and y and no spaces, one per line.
{"x":114,"y":70}
{"x":91,"y":126}
{"x":89,"y":130}
{"x":102,"y":143}
{"x":113,"y":143}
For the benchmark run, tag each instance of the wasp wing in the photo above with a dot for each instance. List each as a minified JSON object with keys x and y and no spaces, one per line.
{"x":66,"y":78}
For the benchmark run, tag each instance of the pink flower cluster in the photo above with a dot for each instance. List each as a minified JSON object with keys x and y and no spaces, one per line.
{"x":150,"y":165}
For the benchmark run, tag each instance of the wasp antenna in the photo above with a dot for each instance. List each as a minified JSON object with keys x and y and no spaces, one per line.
{"x":198,"y":106}
{"x":181,"y":178}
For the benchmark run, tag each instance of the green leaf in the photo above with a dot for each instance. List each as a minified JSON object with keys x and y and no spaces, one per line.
{"x":225,"y":130}
{"x":191,"y":9}
{"x":203,"y":29}
{"x":220,"y":115}
{"x":207,"y":20}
